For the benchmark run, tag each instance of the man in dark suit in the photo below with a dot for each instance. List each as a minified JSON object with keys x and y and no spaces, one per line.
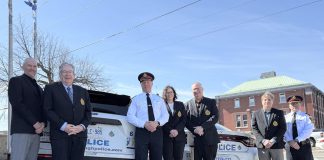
{"x":201,"y":119}
{"x":174,"y":138}
{"x":68,"y":109}
{"x":28,"y":120}
{"x":269,"y":127}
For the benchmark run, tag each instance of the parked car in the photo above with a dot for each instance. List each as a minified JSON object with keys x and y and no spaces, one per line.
{"x":234,"y":145}
{"x":316,"y":134}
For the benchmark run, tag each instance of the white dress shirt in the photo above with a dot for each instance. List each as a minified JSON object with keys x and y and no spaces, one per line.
{"x":304,"y":126}
{"x":138,"y":114}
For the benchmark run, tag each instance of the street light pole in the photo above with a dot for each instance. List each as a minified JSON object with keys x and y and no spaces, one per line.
{"x":35,"y":30}
{"x":33,"y":5}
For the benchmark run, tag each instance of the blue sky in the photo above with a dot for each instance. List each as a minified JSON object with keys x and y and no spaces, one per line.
{"x":236,"y":49}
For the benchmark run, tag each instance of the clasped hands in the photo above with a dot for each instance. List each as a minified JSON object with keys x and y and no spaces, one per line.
{"x":267,"y":143}
{"x":199,"y":130}
{"x":39,"y":127}
{"x":294,"y":144}
{"x":71,"y":129}
{"x":173,"y":133}
{"x":151,"y":125}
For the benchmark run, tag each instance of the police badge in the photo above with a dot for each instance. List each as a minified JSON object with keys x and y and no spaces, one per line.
{"x":82,"y":101}
{"x":179,"y":114}
{"x":207,"y":112}
{"x":275,"y":123}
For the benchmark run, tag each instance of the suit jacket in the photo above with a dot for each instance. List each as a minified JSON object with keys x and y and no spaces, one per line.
{"x":276,"y":128}
{"x":26,"y":101}
{"x":177,"y":121}
{"x":207,"y":118}
{"x":60,"y":109}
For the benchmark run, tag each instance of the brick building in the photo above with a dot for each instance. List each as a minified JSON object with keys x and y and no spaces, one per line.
{"x":237,"y":105}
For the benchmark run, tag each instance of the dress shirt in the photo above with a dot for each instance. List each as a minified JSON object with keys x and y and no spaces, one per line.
{"x":171,"y":107}
{"x":138,"y":114}
{"x":304,"y":126}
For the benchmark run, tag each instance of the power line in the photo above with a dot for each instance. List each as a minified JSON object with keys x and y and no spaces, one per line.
{"x":185,"y":23}
{"x":230,"y":26}
{"x":135,"y":27}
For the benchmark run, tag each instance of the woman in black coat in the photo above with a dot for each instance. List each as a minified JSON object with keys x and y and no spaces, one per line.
{"x":174,"y":138}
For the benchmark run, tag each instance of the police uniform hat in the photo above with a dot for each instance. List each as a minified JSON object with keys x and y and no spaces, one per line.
{"x":294,"y":99}
{"x":145,"y":76}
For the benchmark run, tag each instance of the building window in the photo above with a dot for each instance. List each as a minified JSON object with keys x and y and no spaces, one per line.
{"x":241,"y":120}
{"x":251,"y":101}
{"x":236,"y":103}
{"x":238,"y":120}
{"x":282,"y":98}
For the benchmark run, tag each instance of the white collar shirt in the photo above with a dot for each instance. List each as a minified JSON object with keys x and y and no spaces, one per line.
{"x":304,"y":126}
{"x":138,"y":113}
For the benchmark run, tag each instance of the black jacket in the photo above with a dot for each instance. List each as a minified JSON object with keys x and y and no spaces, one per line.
{"x":26,"y":101}
{"x":207,"y":118}
{"x":59,"y":108}
{"x":276,"y":128}
{"x":177,"y":121}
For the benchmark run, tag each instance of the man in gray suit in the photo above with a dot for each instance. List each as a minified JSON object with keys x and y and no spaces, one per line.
{"x":269,"y":127}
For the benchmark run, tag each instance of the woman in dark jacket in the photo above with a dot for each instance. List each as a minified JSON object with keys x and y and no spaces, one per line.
{"x":174,"y":138}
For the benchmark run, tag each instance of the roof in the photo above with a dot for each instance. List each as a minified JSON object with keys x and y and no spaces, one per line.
{"x":264,"y":84}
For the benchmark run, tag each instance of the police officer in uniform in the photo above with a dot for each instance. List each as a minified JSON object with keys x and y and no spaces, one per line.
{"x":201,"y":119}
{"x":299,"y":129}
{"x":148,"y":112}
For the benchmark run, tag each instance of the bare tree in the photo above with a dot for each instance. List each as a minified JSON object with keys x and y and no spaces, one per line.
{"x":51,"y":53}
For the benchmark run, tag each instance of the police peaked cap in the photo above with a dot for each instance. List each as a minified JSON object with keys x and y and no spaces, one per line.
{"x":145,"y":76}
{"x":294,"y":99}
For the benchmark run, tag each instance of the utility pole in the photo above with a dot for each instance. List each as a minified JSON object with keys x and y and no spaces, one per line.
{"x":10,"y":68}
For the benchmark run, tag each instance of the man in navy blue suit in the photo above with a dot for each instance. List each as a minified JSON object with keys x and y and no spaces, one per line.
{"x":68,"y":109}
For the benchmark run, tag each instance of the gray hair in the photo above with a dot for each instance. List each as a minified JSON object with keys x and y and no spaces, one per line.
{"x":65,"y":64}
{"x":28,"y":60}
{"x":267,"y":93}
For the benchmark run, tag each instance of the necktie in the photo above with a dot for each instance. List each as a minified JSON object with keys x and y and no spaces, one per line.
{"x":70,"y":94}
{"x":198,"y":108}
{"x":267,"y":116}
{"x":149,"y":108}
{"x":294,"y":127}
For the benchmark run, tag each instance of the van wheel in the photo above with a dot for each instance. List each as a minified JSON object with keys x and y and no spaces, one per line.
{"x":313,"y":142}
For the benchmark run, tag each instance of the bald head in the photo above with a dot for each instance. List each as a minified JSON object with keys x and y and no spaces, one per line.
{"x":197,"y":91}
{"x":30,"y":67}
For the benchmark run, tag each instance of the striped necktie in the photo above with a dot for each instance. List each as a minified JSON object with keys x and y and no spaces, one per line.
{"x":70,"y":94}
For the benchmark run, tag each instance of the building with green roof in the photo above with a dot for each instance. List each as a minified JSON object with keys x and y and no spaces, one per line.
{"x":240,"y":102}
